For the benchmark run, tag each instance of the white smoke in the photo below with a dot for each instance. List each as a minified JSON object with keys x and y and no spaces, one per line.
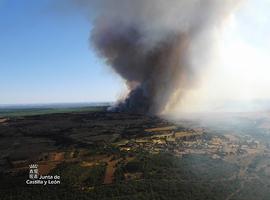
{"x":239,"y":80}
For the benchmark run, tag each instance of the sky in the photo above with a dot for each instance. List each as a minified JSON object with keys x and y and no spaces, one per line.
{"x":45,"y":56}
{"x":244,"y":68}
{"x":240,"y":70}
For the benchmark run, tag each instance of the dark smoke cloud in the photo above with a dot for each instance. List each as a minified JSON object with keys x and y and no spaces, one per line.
{"x":153,"y":45}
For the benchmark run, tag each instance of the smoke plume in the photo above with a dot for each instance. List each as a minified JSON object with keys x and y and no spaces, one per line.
{"x":157,"y":46}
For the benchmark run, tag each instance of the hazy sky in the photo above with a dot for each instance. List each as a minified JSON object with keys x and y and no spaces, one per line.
{"x":45,"y":55}
{"x":245,"y":54}
{"x":240,"y":72}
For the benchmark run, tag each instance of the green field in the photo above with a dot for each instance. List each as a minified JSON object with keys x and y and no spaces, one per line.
{"x":17,"y":112}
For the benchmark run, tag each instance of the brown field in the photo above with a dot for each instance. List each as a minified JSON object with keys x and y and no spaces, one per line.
{"x":160,"y":129}
{"x":3,"y":120}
